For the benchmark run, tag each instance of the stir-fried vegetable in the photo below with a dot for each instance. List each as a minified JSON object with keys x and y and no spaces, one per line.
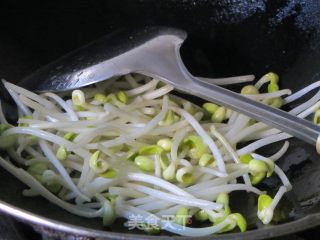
{"x":125,"y":148}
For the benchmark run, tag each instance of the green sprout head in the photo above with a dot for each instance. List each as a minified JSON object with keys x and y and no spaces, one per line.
{"x":265,"y":213}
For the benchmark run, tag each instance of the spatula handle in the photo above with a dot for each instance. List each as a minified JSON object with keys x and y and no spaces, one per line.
{"x":297,"y":127}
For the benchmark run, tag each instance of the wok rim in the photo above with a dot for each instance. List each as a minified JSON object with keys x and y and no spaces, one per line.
{"x":62,"y":228}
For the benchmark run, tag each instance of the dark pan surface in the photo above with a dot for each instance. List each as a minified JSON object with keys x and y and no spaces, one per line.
{"x":225,"y":38}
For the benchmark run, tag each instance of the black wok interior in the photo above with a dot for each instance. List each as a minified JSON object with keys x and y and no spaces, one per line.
{"x":225,"y":38}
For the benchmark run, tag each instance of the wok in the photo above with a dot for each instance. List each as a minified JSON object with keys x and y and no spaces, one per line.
{"x":225,"y":38}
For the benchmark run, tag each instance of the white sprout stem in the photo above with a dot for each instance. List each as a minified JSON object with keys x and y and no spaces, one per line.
{"x":239,"y":124}
{"x":197,"y":187}
{"x":141,"y":177}
{"x":23,"y":108}
{"x":129,"y":211}
{"x":262,"y":142}
{"x":261,"y":134}
{"x":231,"y":151}
{"x":282,"y":190}
{"x":229,"y":80}
{"x":306,"y":104}
{"x":248,"y":131}
{"x":206,"y":138}
{"x":216,"y":181}
{"x":131,"y":80}
{"x":211,"y":171}
{"x":64,"y":105}
{"x":302,"y":92}
{"x":213,"y":191}
{"x":264,"y":79}
{"x":281,"y":152}
{"x":262,"y":96}
{"x":56,"y":163}
{"x":40,"y":134}
{"x":143,"y":88}
{"x":176,"y":140}
{"x":27,"y":179}
{"x":150,"y":125}
{"x":42,"y":110}
{"x":183,"y":200}
{"x":277,"y":170}
{"x":175,"y":126}
{"x":125,"y":192}
{"x":309,"y":111}
{"x":2,"y":117}
{"x":157,"y":166}
{"x":29,"y":94}
{"x":283,"y":177}
{"x":158,"y":93}
{"x":127,"y":115}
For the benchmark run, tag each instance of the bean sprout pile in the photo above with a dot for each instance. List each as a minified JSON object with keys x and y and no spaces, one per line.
{"x":126,"y":148}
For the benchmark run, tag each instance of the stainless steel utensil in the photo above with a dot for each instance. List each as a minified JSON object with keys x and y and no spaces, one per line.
{"x":155,"y":52}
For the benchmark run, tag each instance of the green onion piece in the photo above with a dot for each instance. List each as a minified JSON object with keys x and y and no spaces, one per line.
{"x":249,"y":89}
{"x":246,"y":158}
{"x":144,"y":163}
{"x":122,"y":97}
{"x":97,"y":164}
{"x":206,"y":159}
{"x":210,"y":107}
{"x":70,"y":136}
{"x":100,"y":98}
{"x":108,"y":215}
{"x":62,"y":153}
{"x":110,"y":173}
{"x":316,"y":118}
{"x":273,"y":77}
{"x":273,"y":87}
{"x":182,"y":216}
{"x":201,"y":216}
{"x":165,"y":143}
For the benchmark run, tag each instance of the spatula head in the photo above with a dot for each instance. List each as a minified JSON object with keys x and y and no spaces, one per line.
{"x":95,"y":61}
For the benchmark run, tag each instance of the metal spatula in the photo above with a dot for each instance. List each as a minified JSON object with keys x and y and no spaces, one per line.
{"x":155,"y":52}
